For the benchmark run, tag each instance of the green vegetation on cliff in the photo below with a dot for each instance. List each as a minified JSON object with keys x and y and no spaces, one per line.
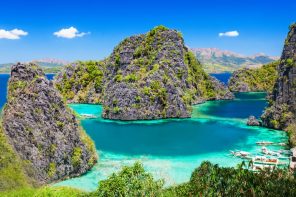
{"x":12,"y":174}
{"x":40,"y":139}
{"x":81,"y":82}
{"x":281,"y":112}
{"x":148,"y":76}
{"x":254,"y":80}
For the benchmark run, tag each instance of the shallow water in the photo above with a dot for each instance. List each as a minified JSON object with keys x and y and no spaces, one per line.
{"x":171,"y":149}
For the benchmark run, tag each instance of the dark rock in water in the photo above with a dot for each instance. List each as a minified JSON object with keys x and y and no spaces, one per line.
{"x":252,"y":121}
{"x":155,"y":76}
{"x":281,"y":112}
{"x":42,"y":130}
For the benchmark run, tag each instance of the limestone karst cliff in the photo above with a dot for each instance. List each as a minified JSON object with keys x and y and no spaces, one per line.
{"x":147,"y":76}
{"x":254,"y":79}
{"x":41,"y":130}
{"x":281,"y":112}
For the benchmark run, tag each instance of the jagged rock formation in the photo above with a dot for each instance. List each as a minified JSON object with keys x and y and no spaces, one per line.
{"x":254,"y":80}
{"x":148,"y":76}
{"x":154,"y":76}
{"x":41,"y":130}
{"x":252,"y":121}
{"x":281,"y":112}
{"x":81,"y":82}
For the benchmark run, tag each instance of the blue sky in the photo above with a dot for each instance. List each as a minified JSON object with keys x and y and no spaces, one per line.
{"x":262,"y":25}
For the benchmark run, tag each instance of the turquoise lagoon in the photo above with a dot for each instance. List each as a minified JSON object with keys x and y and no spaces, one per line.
{"x":171,"y":149}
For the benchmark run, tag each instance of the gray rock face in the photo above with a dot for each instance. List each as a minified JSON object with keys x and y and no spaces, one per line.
{"x":252,"y":121}
{"x":236,"y":84}
{"x":282,"y":106}
{"x":155,"y":76}
{"x":149,"y":76}
{"x":42,"y":130}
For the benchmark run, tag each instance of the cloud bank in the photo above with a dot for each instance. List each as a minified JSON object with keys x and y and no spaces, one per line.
{"x":229,"y":34}
{"x":12,"y":34}
{"x":69,"y":33}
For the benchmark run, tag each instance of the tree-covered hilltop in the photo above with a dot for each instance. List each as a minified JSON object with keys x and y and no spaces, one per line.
{"x":281,"y":113}
{"x":255,"y":79}
{"x":148,"y":76}
{"x":40,"y":138}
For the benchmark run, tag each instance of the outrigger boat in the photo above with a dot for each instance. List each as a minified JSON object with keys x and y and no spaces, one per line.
{"x":265,"y":151}
{"x":88,"y":116}
{"x":282,"y":144}
{"x":265,"y":160}
{"x":263,"y":143}
{"x":285,"y":152}
{"x":241,"y":154}
{"x":259,"y":167}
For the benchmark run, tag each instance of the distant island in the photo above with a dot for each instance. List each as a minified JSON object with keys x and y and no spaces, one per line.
{"x":215,"y":60}
{"x":48,"y":65}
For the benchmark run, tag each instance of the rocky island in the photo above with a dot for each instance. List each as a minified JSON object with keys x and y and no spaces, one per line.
{"x":260,"y":79}
{"x":281,"y":113}
{"x":148,"y":76}
{"x":40,"y":139}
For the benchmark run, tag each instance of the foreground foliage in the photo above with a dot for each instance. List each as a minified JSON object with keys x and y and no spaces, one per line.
{"x":130,"y":181}
{"x":206,"y":180}
{"x":212,"y":180}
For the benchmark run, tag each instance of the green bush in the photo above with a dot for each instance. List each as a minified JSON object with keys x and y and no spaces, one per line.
{"x":130,"y":181}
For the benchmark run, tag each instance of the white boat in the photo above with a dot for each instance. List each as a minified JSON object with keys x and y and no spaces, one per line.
{"x":265,"y":151}
{"x":285,"y":152}
{"x":259,"y":167}
{"x":264,"y":143}
{"x":242,"y":154}
{"x":282,"y":144}
{"x":265,"y":160}
{"x":88,"y":116}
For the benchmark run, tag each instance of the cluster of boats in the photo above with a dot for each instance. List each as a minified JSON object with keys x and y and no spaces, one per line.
{"x":268,"y":160}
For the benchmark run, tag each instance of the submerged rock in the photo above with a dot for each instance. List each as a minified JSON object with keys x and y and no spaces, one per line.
{"x":252,"y":121}
{"x":42,"y":130}
{"x":281,"y":112}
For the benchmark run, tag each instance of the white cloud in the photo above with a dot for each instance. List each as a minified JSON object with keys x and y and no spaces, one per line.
{"x":229,"y":34}
{"x":12,"y":34}
{"x":69,"y":33}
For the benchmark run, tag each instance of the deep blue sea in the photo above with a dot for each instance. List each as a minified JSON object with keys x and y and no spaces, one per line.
{"x":223,"y":77}
{"x":3,"y":86}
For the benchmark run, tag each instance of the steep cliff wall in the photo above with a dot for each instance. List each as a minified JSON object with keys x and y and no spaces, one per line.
{"x":153,"y":76}
{"x":255,"y":79}
{"x":281,"y":112}
{"x":41,"y":130}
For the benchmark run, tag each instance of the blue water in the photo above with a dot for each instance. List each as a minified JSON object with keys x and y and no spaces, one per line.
{"x":171,"y":149}
{"x":223,"y":77}
{"x":3,"y":87}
